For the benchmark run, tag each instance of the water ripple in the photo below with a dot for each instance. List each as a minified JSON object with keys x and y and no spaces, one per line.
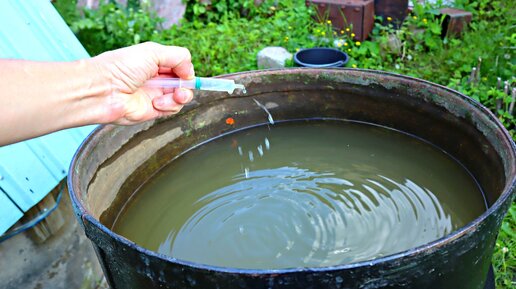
{"x":287,"y":216}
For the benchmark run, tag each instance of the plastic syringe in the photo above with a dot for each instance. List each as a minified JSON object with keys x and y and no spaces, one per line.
{"x":199,"y":83}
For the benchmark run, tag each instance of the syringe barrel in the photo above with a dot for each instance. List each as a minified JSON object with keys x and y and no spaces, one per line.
{"x":202,"y":83}
{"x":216,"y":84}
{"x":171,"y":83}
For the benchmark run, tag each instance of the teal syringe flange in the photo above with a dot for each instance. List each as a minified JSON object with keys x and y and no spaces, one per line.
{"x":198,"y":83}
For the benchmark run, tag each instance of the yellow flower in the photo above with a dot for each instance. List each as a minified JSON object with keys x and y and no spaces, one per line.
{"x":414,"y":17}
{"x":272,"y":8}
{"x":290,"y":27}
{"x":347,"y":29}
{"x":424,"y":20}
{"x":389,"y":18}
{"x":329,"y":21}
{"x":339,"y":44}
{"x":334,"y":33}
{"x":323,"y":33}
{"x":345,"y":44}
{"x":349,"y":49}
{"x":342,"y":32}
{"x":357,"y":43}
{"x":317,"y":30}
{"x":352,"y":34}
{"x":354,"y":65}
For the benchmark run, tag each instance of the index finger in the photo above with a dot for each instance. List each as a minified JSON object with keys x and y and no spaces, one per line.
{"x":177,"y":58}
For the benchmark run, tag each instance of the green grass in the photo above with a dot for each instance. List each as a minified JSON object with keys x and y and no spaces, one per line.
{"x":504,"y":257}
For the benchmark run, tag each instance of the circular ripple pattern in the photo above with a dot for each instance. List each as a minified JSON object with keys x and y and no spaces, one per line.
{"x":301,"y":194}
{"x":308,"y":218}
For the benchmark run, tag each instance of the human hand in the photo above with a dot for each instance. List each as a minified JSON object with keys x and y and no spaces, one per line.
{"x":124,"y":71}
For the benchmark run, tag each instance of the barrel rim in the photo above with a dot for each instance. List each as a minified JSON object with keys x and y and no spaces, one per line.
{"x":509,"y":190}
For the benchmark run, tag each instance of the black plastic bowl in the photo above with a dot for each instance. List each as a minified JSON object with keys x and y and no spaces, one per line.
{"x":320,"y":57}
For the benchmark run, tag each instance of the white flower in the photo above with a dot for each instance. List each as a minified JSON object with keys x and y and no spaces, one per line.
{"x":338,"y":42}
{"x":409,"y":57}
{"x":397,"y":66}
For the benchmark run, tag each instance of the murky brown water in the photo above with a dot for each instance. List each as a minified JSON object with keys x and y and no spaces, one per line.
{"x":302,"y":194}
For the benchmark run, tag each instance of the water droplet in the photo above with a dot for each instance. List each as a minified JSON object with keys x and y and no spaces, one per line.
{"x":290,"y":245}
{"x":269,"y":116}
{"x":240,"y":151}
{"x":271,"y":121}
{"x":246,"y":173}
{"x":251,"y":156}
{"x":267,"y":144}
{"x":260,"y":150}
{"x":341,"y":251}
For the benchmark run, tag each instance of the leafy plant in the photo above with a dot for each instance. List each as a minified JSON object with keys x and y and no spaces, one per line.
{"x":232,"y":45}
{"x":216,"y":11}
{"x":112,"y":26}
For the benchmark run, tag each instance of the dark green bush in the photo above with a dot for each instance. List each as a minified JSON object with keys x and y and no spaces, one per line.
{"x":111,"y":26}
{"x":216,"y":11}
{"x":226,"y":35}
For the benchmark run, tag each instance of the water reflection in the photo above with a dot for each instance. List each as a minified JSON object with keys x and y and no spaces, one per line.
{"x":284,"y":217}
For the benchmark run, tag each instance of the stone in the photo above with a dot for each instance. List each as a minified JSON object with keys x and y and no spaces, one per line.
{"x":273,"y":57}
{"x":394,"y":44}
{"x":171,"y":11}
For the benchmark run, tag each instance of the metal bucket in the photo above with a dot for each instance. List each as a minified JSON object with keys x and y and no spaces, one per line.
{"x":114,"y":161}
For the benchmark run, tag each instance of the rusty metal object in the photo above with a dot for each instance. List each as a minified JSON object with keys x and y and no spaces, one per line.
{"x":357,"y":14}
{"x":115,"y":161}
{"x":396,"y":9}
{"x":455,"y":21}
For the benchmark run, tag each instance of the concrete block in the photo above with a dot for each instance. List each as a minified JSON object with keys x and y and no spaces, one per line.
{"x":63,"y":260}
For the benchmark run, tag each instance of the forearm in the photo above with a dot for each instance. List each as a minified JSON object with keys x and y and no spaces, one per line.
{"x":38,"y":97}
{"x":42,"y":97}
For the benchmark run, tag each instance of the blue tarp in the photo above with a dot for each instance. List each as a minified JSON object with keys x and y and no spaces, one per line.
{"x":29,"y":170}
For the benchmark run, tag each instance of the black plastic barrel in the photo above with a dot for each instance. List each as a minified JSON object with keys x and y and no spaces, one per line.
{"x":114,"y":161}
{"x":320,"y":58}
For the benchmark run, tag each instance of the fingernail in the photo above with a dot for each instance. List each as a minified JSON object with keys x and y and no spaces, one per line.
{"x":162,"y":102}
{"x":192,"y":71}
{"x":183,"y":95}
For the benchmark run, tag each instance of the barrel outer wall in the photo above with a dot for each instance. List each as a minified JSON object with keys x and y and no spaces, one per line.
{"x":460,"y":260}
{"x":458,"y":263}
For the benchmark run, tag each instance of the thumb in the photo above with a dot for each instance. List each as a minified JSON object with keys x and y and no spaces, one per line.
{"x":166,"y":103}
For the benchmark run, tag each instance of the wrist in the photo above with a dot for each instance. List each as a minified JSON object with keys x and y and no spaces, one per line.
{"x":96,"y":93}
